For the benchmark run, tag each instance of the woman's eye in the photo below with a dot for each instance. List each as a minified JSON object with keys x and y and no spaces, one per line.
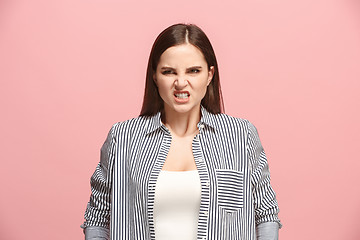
{"x":167,"y":72}
{"x":194,"y":70}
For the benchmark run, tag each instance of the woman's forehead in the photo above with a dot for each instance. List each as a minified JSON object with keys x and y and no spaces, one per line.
{"x":180,"y":55}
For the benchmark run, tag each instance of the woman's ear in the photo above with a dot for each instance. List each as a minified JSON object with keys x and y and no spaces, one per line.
{"x":211,"y":74}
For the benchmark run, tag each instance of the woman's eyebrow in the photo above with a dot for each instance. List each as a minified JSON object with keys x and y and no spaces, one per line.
{"x":194,"y":67}
{"x":167,"y":68}
{"x":199,"y":67}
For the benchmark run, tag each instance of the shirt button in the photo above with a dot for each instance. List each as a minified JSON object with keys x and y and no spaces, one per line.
{"x":200,"y":160}
{"x":206,"y":213}
{"x":207,"y":183}
{"x":202,"y":126}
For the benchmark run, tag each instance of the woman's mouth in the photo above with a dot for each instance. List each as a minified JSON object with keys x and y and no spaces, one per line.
{"x":182,"y":97}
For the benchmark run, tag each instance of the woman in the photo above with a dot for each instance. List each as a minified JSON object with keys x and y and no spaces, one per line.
{"x":182,"y":169}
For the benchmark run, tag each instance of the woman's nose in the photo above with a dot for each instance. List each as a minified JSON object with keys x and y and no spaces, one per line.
{"x":181,"y":81}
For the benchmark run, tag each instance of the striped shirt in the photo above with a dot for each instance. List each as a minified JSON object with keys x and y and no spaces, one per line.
{"x":236,"y":194}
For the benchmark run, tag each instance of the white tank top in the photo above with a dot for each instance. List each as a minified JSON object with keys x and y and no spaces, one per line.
{"x":177,"y":205}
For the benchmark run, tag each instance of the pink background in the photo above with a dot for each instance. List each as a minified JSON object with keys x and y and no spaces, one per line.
{"x":70,"y":69}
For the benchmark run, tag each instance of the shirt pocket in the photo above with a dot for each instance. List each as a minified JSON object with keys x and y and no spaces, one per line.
{"x":230,"y":189}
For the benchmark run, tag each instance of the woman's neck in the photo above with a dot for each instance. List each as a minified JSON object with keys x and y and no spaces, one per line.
{"x":181,"y":124}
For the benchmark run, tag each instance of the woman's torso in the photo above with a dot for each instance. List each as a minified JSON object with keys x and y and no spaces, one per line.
{"x":219,"y":150}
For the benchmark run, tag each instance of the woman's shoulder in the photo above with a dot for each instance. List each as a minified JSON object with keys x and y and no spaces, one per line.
{"x":131,"y":125}
{"x":228,"y":124}
{"x":233,"y":121}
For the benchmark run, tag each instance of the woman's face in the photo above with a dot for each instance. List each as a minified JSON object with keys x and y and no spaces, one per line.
{"x":182,"y":77}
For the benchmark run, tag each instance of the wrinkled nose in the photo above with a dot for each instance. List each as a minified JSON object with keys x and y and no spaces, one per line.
{"x":181,"y":81}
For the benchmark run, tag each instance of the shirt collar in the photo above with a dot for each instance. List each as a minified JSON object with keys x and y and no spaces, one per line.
{"x":207,"y":118}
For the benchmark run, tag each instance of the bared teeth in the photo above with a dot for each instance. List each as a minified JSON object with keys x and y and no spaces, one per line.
{"x":181,"y":95}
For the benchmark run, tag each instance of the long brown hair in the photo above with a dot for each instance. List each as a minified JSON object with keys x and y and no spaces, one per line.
{"x":175,"y":35}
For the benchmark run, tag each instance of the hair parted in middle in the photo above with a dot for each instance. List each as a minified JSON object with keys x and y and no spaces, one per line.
{"x":178,"y":34}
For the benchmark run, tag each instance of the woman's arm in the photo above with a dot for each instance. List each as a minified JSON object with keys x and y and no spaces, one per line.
{"x":266,"y":206}
{"x":97,"y":214}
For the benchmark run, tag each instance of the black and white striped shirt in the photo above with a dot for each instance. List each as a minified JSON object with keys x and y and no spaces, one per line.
{"x":236,"y":194}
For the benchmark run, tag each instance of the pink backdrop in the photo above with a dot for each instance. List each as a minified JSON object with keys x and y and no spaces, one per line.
{"x":70,"y":69}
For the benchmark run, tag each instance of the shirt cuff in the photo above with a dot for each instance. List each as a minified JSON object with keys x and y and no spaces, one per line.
{"x":267,"y":231}
{"x":96,"y":233}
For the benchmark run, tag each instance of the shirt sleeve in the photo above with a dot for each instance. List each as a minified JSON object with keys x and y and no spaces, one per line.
{"x":96,"y":233}
{"x":97,"y":213}
{"x":265,"y":203}
{"x":267,"y":231}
